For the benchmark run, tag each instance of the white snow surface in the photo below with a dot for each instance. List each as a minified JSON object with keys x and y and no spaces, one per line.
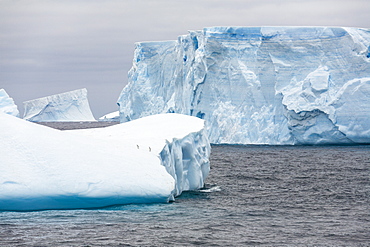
{"x":7,"y":104}
{"x":258,"y":85}
{"x":68,"y":106}
{"x":44,"y":168}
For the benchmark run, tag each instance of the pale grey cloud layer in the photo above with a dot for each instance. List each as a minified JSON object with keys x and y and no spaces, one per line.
{"x":52,"y":46}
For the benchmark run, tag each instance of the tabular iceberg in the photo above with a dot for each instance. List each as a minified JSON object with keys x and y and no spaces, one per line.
{"x":258,"y":85}
{"x":69,"y":106}
{"x":149,"y":160}
{"x":7,"y":104}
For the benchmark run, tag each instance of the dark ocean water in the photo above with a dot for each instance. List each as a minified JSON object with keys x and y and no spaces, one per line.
{"x":254,"y":196}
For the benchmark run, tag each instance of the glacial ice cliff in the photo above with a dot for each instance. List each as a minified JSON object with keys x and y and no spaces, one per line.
{"x":7,"y":104}
{"x":149,"y":160}
{"x":69,"y":106}
{"x":258,"y":85}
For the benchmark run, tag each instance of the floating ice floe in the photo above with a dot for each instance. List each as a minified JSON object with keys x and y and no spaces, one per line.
{"x":149,"y":160}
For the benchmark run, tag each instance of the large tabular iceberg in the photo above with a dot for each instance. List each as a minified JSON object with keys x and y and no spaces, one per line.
{"x":69,"y":106}
{"x":258,"y":85}
{"x":149,"y":160}
{"x":7,"y":104}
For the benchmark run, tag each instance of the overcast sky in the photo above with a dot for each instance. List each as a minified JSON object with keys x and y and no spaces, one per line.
{"x":53,"y":46}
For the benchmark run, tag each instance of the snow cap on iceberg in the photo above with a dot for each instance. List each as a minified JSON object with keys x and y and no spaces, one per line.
{"x":44,"y":168}
{"x":69,"y":106}
{"x":258,"y":85}
{"x":7,"y":104}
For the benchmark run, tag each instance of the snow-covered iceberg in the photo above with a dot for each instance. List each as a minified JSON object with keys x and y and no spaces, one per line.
{"x":149,"y":160}
{"x":69,"y":106}
{"x":7,"y":104}
{"x":110,"y":117}
{"x":258,"y":85}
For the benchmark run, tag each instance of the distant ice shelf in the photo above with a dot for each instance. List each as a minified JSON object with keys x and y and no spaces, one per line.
{"x":69,"y":106}
{"x":7,"y":104}
{"x":258,"y":85}
{"x":150,"y":160}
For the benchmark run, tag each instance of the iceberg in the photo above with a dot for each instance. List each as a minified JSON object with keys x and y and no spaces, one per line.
{"x":179,"y":141}
{"x":110,"y":117}
{"x":150,"y":160}
{"x":258,"y":85}
{"x":69,"y":106}
{"x":7,"y":104}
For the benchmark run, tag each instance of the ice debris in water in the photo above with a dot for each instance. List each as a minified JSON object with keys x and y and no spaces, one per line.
{"x":149,"y":160}
{"x":258,"y":85}
{"x":210,"y":190}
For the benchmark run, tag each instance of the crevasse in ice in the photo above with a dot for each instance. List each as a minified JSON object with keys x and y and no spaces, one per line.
{"x":68,"y":106}
{"x":258,"y":85}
